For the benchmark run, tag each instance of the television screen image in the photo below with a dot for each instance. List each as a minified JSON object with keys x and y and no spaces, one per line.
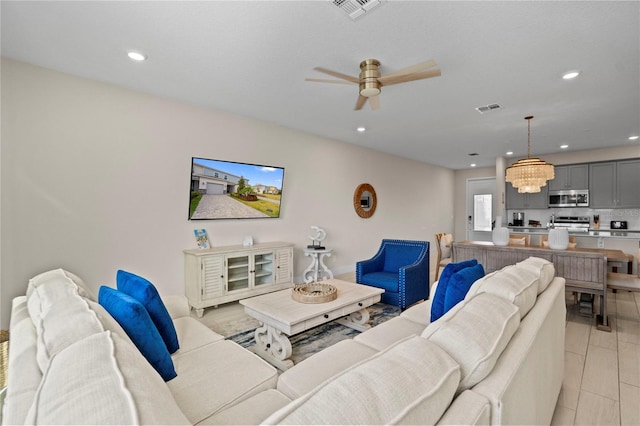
{"x":231,"y":190}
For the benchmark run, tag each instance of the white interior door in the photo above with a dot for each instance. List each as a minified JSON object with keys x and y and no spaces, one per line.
{"x":481,"y":208}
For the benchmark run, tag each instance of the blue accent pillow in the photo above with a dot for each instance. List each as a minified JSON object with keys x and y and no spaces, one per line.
{"x":437,"y":304}
{"x":136,"y":322}
{"x":460,"y":283}
{"x":145,"y":292}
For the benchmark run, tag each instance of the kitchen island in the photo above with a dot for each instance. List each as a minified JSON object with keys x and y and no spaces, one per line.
{"x":584,"y":269}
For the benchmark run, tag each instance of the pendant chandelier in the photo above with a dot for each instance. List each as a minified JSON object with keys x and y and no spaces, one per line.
{"x":529,"y":174}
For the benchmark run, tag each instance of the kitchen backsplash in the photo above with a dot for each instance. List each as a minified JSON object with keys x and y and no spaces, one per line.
{"x":632,"y":216}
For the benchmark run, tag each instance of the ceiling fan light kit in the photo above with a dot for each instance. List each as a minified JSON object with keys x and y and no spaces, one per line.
{"x":529,"y":174}
{"x":369,"y":75}
{"x":370,"y":81}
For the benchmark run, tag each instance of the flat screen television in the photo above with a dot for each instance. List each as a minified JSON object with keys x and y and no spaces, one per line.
{"x":230,"y":190}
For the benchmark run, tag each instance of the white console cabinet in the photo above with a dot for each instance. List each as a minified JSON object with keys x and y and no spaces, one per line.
{"x":225,"y":274}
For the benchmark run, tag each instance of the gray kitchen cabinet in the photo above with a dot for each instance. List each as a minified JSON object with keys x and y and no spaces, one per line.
{"x":575,"y":176}
{"x":514,"y":200}
{"x":628,"y":182}
{"x":615,"y":184}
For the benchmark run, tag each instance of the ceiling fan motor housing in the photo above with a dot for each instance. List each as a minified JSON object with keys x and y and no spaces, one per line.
{"x":369,"y":74}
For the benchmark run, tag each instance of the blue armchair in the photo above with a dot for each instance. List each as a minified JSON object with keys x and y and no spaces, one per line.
{"x":401,"y":268}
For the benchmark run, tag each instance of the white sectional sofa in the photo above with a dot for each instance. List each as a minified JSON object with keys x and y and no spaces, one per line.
{"x":495,"y":358}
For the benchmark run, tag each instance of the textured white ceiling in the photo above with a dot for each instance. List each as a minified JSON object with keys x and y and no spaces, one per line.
{"x":251,"y":58}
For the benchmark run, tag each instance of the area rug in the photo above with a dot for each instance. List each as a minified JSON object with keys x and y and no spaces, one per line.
{"x":314,"y":340}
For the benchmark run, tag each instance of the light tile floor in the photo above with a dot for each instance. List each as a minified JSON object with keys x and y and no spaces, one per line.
{"x":602,"y":370}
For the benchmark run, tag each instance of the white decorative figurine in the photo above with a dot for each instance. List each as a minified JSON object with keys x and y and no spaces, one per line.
{"x":317,"y":269}
{"x":317,"y":239}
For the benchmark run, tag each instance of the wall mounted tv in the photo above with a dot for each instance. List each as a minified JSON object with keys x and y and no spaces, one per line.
{"x":231,"y":190}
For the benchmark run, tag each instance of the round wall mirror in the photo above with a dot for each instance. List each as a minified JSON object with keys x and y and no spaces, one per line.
{"x":365,"y":200}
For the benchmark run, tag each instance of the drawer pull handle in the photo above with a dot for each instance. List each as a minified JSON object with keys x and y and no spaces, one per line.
{"x":360,"y":304}
{"x":326,"y":315}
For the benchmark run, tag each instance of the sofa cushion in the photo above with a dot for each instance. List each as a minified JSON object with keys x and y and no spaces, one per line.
{"x":475,"y":333}
{"x":459,"y":285}
{"x":542,"y":268}
{"x":469,"y":408}
{"x":144,"y":292}
{"x":55,"y":274}
{"x":135,"y":320}
{"x":251,"y":411}
{"x":399,"y":255}
{"x":102,"y":379}
{"x":519,"y":286}
{"x":193,"y":334}
{"x":437,"y":305}
{"x":305,"y":376}
{"x":385,"y":280}
{"x":412,"y":382}
{"x":26,"y":375}
{"x":419,"y":313}
{"x":389,"y":332}
{"x":215,"y":377}
{"x":60,"y":315}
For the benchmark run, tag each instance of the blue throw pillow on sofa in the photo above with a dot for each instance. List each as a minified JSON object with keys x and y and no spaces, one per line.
{"x":437,"y":304}
{"x":145,"y":292}
{"x":136,"y":322}
{"x":459,"y":285}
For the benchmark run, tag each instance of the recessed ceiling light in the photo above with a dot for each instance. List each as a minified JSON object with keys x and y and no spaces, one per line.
{"x":564,"y":146}
{"x":633,"y":138}
{"x":473,"y":164}
{"x":571,"y":74}
{"x":361,"y":129}
{"x":509,"y":152}
{"x":136,"y":56}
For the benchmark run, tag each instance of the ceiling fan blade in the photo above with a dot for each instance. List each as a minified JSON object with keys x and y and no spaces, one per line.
{"x":324,"y":80}
{"x":338,"y":75}
{"x":360,"y":103}
{"x":387,"y":81}
{"x":374,"y":101}
{"x":421,"y":67}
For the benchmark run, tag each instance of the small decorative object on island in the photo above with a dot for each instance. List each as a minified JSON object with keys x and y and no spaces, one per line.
{"x":248,"y":241}
{"x":317,"y":239}
{"x":500,"y":234}
{"x":558,"y":238}
{"x":314,"y":292}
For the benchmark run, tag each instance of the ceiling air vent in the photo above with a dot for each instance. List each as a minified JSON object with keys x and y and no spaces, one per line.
{"x":356,"y":8}
{"x":488,"y":108}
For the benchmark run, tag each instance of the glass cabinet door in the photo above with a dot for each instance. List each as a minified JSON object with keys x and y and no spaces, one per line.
{"x":237,"y":273}
{"x":263,"y":269}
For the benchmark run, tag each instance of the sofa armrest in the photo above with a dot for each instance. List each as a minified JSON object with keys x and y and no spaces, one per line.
{"x":375,"y":264}
{"x":178,"y":306}
{"x":414,"y":279}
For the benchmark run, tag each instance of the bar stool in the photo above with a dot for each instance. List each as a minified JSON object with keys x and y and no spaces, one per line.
{"x":623,"y":266}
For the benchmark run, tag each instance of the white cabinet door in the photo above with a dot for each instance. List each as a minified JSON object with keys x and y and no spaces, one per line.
{"x":284,"y":265}
{"x":213,"y":275}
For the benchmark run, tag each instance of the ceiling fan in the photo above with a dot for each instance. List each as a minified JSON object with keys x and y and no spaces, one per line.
{"x":371,"y":81}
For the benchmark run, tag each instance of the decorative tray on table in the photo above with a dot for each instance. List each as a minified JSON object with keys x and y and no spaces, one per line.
{"x":314,"y":292}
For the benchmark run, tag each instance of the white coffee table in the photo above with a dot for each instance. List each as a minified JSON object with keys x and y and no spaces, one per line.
{"x":280,"y":316}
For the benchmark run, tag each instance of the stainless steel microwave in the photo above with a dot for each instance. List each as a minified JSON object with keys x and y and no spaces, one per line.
{"x":569,"y":198}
